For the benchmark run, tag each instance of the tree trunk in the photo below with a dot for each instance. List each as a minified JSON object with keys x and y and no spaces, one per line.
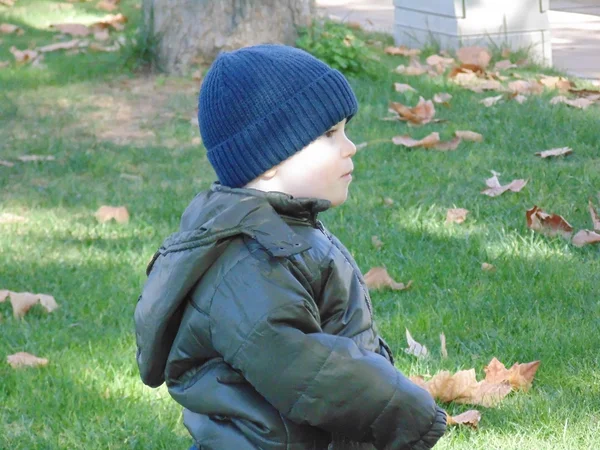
{"x":193,"y":32}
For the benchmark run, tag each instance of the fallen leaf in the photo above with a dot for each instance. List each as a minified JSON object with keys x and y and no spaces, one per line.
{"x":469,"y":135}
{"x":415,"y":348}
{"x":525,"y":87}
{"x":8,"y":3}
{"x":60,"y":46}
{"x":585,"y":237}
{"x":595,"y":216}
{"x":413,"y":69}
{"x":495,"y":188}
{"x":467,"y":71}
{"x":495,"y":371}
{"x":504,"y":65}
{"x":443,"y":349}
{"x":463,"y":387}
{"x":456,"y":215}
{"x":469,"y":418}
{"x":74,"y":29}
{"x":400,"y":87}
{"x":581,"y":103}
{"x":22,"y":302}
{"x":427,"y":142}
{"x":548,"y":224}
{"x":11,"y":218}
{"x":439,"y":63}
{"x":106,"y":213}
{"x":4,"y":294}
{"x":402,"y":51}
{"x":6,"y":163}
{"x":478,"y":56}
{"x":23,"y":359}
{"x":520,"y":376}
{"x":560,"y":83}
{"x":506,"y":52}
{"x":520,"y":98}
{"x":377,"y":243}
{"x":23,"y":56}
{"x":102,"y":35}
{"x":48,"y":302}
{"x":421,"y":114}
{"x":388,"y":201}
{"x":8,"y":28}
{"x":35,"y":158}
{"x":448,"y":145}
{"x":486,"y":267}
{"x":555,"y":152}
{"x":490,"y":101}
{"x":442,"y":97}
{"x":108,"y":5}
{"x":378,"y":277}
{"x":588,"y":93}
{"x":100,"y":48}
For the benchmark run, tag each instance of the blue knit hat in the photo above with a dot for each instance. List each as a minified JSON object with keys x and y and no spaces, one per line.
{"x":259,"y":105}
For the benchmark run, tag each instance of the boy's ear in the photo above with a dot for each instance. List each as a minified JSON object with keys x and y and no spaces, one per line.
{"x":269,"y":174}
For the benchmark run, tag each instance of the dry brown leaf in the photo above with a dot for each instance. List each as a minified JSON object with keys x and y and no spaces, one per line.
{"x":22,"y":302}
{"x":402,"y":51}
{"x":401,"y":87}
{"x":8,"y":3}
{"x":378,"y":278}
{"x":4,"y":294}
{"x":504,"y":65}
{"x":520,"y":98}
{"x":102,"y":35}
{"x":520,"y":376}
{"x":35,"y":158}
{"x":442,"y":97}
{"x":469,"y":418}
{"x":8,"y":28}
{"x":525,"y":87}
{"x":580,"y":103}
{"x":106,"y":213}
{"x":467,"y":71}
{"x":108,"y":5}
{"x":466,"y":135}
{"x":48,"y":302}
{"x":443,"y":349}
{"x":60,"y":46}
{"x":495,"y":188}
{"x":439,"y":63}
{"x":100,"y":48}
{"x":590,"y":94}
{"x":6,"y":163}
{"x":415,"y":348}
{"x":388,"y":201}
{"x":415,"y":68}
{"x":486,"y":267}
{"x":585,"y":237}
{"x":74,"y":29}
{"x":456,"y":215}
{"x":495,"y":372}
{"x":560,"y":83}
{"x":421,"y":114}
{"x":448,"y":145}
{"x":595,"y":216}
{"x":24,"y":56}
{"x":490,"y":101}
{"x":555,"y":152}
{"x":478,"y":56}
{"x":11,"y":218}
{"x":548,"y":224}
{"x":23,"y":359}
{"x":116,"y":21}
{"x":427,"y":142}
{"x":377,"y":243}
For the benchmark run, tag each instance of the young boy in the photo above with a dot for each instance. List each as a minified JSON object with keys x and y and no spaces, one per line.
{"x":257,"y":317}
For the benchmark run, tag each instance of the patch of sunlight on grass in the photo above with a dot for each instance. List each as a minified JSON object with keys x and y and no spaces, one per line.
{"x":532,"y":247}
{"x":42,"y":14}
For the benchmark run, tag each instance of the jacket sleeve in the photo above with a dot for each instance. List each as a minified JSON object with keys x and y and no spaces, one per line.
{"x":265,"y":324}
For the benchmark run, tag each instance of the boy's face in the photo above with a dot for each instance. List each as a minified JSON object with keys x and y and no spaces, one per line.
{"x":321,"y":169}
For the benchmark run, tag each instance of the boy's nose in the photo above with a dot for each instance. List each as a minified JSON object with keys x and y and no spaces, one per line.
{"x":349,"y":149}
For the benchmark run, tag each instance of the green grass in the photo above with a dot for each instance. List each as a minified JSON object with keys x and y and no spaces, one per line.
{"x":100,"y":121}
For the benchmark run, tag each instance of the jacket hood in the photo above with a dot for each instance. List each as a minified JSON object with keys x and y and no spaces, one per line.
{"x":207,"y":226}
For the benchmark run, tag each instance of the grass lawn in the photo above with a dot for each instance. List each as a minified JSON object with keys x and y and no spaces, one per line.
{"x":124,"y":139}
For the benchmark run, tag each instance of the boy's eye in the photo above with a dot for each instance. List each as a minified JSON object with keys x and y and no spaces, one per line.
{"x":329,"y":133}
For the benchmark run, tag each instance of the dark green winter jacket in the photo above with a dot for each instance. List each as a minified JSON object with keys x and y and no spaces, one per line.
{"x":260,"y":322}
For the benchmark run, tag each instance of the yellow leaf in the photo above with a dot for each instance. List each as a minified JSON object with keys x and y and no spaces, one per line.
{"x":378,"y":278}
{"x":23,"y":359}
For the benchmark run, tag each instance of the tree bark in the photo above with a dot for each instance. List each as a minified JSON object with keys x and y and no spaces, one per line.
{"x":193,"y":32}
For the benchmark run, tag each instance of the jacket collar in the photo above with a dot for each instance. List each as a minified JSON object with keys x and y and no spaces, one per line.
{"x":303,"y":208}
